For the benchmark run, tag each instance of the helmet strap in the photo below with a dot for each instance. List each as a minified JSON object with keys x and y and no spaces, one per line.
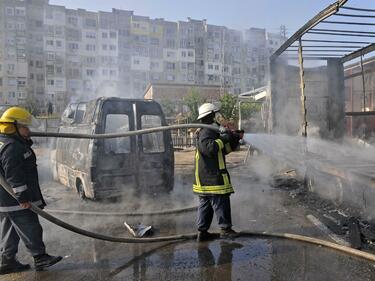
{"x":15,"y":126}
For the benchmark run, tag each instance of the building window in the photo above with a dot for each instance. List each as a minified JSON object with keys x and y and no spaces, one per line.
{"x":9,"y":11}
{"x":210,"y":66}
{"x":104,"y":47}
{"x":20,"y":11}
{"x":170,"y":77}
{"x":50,"y":82}
{"x":73,"y":46}
{"x":183,"y":54}
{"x":60,"y":84}
{"x":1,"y":81}
{"x":112,"y":73}
{"x":104,"y":35}
{"x":73,"y":21}
{"x":50,"y":69}
{"x":105,"y":72}
{"x":90,"y":22}
{"x":171,"y":66}
{"x":190,"y":54}
{"x":112,"y":47}
{"x":49,"y":42}
{"x":90,"y":72}
{"x":113,"y":35}
{"x":136,"y":61}
{"x":216,"y":67}
{"x":90,"y":47}
{"x":171,"y":43}
{"x":90,"y":59}
{"x":91,"y":35}
{"x":59,"y":69}
{"x":183,"y":65}
{"x":58,"y":43}
{"x":10,"y":67}
{"x":39,"y":64}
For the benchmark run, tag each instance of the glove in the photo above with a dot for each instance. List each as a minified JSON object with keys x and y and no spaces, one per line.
{"x":225,"y":137}
{"x":240,"y":133}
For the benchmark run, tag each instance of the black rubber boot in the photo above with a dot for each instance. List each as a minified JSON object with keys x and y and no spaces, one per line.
{"x":228,"y":233}
{"x":12,"y":265}
{"x":45,"y":260}
{"x":205,"y":236}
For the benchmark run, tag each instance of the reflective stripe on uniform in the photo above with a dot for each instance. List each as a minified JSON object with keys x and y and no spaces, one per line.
{"x":228,"y":149}
{"x":213,"y":189}
{"x":19,"y":189}
{"x":17,"y":208}
{"x":196,"y":168}
{"x":220,"y":144}
{"x":222,"y":164}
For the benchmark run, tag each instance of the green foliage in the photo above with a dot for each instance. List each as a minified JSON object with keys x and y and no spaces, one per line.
{"x":193,"y":100}
{"x":229,"y":108}
{"x":32,"y":106}
{"x":249,"y":109}
{"x":168,"y":107}
{"x":228,"y":103}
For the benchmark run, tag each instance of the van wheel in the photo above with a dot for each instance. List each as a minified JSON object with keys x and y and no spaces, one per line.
{"x":81,"y":191}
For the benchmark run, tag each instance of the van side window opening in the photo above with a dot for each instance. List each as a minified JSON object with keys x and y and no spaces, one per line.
{"x":117,"y":123}
{"x":80,"y":113}
{"x":154,"y":142}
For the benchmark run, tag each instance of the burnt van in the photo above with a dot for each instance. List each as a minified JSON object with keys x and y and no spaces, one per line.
{"x":107,"y":168}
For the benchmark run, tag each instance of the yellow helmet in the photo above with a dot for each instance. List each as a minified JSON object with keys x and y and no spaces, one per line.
{"x":16,"y":115}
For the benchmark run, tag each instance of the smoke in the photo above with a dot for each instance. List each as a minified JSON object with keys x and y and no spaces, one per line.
{"x":341,"y":172}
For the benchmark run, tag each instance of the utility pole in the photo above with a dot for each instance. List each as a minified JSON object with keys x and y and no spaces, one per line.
{"x":222,"y":78}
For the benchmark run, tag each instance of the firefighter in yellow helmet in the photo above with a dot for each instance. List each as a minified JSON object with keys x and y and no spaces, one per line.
{"x":18,"y":167}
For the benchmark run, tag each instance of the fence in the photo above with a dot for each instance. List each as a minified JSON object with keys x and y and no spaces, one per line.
{"x":183,"y":141}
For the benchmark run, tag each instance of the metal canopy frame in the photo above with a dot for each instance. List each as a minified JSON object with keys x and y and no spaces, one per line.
{"x":336,"y":40}
{"x":329,"y":36}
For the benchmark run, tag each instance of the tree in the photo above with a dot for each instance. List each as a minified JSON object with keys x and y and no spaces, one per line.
{"x":229,"y":108}
{"x":249,"y":109}
{"x":193,"y":100}
{"x":168,"y":107}
{"x":228,"y":104}
{"x":32,"y":106}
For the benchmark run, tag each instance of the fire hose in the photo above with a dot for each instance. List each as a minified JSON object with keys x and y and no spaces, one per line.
{"x":56,"y":221}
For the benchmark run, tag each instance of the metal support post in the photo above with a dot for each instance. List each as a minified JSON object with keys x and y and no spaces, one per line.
{"x":239,"y":116}
{"x":302,"y":85}
{"x":363,"y":85}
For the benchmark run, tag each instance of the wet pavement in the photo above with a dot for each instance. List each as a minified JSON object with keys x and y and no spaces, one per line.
{"x":255,"y":206}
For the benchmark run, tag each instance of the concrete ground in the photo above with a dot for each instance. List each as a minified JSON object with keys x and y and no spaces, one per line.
{"x":255,"y":206}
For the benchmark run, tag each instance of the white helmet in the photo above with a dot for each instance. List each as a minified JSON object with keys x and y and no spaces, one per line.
{"x":206,"y":109}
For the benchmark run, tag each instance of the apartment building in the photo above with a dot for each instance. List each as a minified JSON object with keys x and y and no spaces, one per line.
{"x":49,"y":53}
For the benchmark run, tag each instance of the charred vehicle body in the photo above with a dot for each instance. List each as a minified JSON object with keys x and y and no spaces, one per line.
{"x":104,"y":168}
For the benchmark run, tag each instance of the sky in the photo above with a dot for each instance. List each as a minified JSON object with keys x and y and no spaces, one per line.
{"x":237,"y":14}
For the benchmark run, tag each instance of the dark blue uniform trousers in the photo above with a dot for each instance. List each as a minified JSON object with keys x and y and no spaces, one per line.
{"x":220,"y":204}
{"x":24,"y":226}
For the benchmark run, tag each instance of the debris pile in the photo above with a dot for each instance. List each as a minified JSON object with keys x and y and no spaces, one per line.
{"x":345,"y":221}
